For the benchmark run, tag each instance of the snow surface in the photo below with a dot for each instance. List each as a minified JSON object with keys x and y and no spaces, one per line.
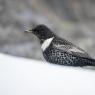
{"x":19,"y":76}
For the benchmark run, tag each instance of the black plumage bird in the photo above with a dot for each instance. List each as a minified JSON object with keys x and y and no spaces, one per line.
{"x":60,"y":51}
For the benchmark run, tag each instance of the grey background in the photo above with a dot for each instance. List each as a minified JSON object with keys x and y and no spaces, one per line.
{"x":70,"y":19}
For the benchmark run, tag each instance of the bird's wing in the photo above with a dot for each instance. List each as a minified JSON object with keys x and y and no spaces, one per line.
{"x":71,"y":49}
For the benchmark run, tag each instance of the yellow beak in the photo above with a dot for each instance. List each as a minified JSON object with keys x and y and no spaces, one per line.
{"x":28,"y":31}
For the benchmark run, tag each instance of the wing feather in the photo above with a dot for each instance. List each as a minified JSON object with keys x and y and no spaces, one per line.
{"x":68,"y":47}
{"x":71,"y":49}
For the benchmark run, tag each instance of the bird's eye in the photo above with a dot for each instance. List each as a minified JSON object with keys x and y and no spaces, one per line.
{"x":38,"y":31}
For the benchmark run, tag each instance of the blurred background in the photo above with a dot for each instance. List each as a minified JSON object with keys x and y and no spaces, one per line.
{"x":73,"y":20}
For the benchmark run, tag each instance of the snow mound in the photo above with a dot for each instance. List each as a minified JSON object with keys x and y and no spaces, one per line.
{"x":19,"y":76}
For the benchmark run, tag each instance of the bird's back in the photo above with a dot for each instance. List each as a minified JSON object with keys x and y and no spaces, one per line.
{"x":64,"y":52}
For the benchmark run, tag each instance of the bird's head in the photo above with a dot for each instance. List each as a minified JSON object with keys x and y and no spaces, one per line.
{"x":42,"y":32}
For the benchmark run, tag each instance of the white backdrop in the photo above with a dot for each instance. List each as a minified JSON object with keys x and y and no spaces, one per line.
{"x":19,"y":76}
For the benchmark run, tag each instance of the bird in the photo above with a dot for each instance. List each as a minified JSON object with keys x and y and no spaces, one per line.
{"x":60,"y":51}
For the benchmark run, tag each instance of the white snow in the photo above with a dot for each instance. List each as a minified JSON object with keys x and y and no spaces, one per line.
{"x":19,"y":76}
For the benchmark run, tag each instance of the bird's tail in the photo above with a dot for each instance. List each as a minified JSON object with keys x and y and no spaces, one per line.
{"x":91,"y":62}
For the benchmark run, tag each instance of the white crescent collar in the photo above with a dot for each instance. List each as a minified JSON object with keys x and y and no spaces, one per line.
{"x":46,"y":43}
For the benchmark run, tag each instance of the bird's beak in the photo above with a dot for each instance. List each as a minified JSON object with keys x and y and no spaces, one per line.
{"x":28,"y":31}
